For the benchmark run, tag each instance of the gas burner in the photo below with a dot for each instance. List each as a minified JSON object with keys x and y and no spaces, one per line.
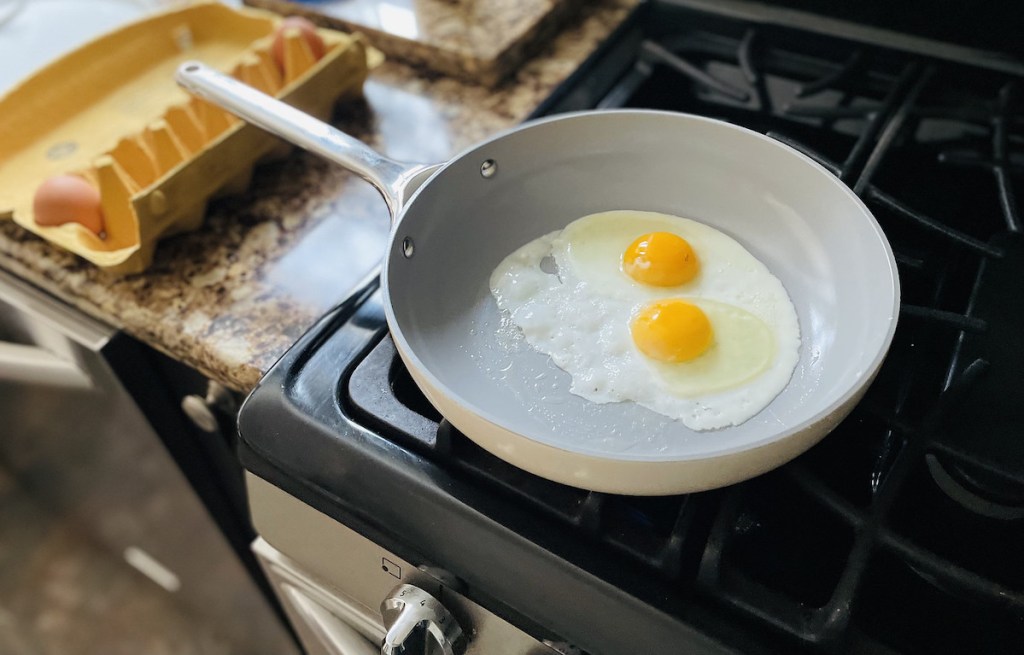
{"x":984,"y":495}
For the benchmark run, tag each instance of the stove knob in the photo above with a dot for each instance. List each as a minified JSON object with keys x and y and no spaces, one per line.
{"x":418,"y":624}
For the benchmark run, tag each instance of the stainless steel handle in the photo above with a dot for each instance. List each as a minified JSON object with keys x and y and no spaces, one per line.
{"x":206,"y":412}
{"x":394,"y":179}
{"x":336,"y":636}
{"x":408,"y":610}
{"x":32,"y":365}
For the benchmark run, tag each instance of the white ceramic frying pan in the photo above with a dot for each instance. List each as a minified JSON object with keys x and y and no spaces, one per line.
{"x":453,"y":223}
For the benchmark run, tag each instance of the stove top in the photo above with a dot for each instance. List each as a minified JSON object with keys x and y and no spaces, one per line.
{"x":900,"y":533}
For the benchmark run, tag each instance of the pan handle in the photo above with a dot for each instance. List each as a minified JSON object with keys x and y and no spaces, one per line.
{"x":395,"y":180}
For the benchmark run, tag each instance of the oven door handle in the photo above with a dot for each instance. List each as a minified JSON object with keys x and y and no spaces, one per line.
{"x":336,"y":636}
{"x":32,"y":365}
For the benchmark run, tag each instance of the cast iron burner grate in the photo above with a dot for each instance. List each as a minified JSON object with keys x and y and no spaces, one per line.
{"x":902,"y":531}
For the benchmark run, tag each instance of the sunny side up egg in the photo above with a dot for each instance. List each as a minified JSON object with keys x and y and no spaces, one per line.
{"x":663,"y":311}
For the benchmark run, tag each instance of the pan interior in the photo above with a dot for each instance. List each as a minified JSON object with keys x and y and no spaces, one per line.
{"x":798,"y":219}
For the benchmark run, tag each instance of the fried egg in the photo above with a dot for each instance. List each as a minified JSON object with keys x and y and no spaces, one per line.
{"x":663,"y":311}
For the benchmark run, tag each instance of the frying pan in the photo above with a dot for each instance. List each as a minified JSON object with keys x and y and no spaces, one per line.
{"x":453,"y":223}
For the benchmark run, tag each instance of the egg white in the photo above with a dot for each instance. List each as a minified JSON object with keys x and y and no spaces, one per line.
{"x":580,"y":315}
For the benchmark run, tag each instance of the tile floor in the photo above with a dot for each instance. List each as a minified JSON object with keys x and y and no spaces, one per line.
{"x":61,"y":593}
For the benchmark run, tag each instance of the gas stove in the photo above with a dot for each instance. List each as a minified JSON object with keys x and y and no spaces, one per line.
{"x":902,"y":532}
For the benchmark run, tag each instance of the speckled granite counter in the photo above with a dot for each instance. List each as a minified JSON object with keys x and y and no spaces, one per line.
{"x":477,"y":40}
{"x":230,"y":298}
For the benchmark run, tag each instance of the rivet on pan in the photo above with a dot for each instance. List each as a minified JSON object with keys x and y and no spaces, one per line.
{"x":489,"y":168}
{"x":408,"y":247}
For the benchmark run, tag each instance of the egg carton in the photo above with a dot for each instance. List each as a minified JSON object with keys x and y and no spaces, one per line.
{"x":111,"y":113}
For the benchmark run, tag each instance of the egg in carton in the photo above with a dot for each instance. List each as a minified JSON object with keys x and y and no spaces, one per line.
{"x":102,"y":154}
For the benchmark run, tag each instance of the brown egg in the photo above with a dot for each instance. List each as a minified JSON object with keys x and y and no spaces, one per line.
{"x":65,"y":198}
{"x":308,"y":32}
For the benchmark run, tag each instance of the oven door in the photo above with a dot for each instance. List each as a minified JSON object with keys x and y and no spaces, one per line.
{"x":328,"y":622}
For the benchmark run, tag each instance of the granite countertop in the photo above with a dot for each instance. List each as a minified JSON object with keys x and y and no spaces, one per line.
{"x":477,"y":40}
{"x":230,"y":298}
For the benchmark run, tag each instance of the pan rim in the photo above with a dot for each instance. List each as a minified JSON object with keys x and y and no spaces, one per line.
{"x":864,"y":380}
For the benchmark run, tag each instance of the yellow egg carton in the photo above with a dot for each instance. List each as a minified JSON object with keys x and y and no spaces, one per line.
{"x":111,"y":113}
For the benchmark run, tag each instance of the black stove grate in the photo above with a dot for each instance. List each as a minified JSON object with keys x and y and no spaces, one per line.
{"x":902,"y":530}
{"x":658,"y":532}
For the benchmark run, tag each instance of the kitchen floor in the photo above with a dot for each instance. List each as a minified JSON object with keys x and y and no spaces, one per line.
{"x":61,"y":593}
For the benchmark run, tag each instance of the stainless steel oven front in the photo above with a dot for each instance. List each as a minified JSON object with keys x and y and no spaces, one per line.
{"x":346,"y":595}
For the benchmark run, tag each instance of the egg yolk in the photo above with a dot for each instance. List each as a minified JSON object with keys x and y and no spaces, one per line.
{"x":671,"y":331}
{"x":660,"y":259}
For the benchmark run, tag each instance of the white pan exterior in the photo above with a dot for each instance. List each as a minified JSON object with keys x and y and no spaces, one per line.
{"x":814,"y":234}
{"x":810,"y":230}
